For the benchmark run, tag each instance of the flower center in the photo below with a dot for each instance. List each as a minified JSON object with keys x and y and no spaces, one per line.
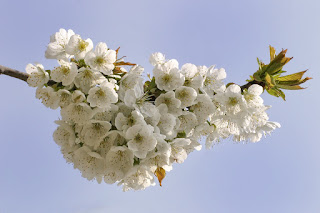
{"x":208,"y":81}
{"x":82,"y":45}
{"x":131,"y":121}
{"x":167,"y":101}
{"x":138,"y":138}
{"x":182,"y":94}
{"x":87,"y":74}
{"x":64,"y":97}
{"x":100,"y":93}
{"x":100,"y":60}
{"x":233,"y":101}
{"x":65,"y":70}
{"x":97,"y":126}
{"x":166,"y":78}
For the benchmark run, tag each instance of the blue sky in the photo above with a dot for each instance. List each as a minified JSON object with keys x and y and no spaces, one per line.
{"x":279,"y":174}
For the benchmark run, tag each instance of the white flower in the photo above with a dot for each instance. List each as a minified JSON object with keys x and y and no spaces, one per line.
{"x":232,"y":100}
{"x":57,"y":47}
{"x":64,"y":134}
{"x":77,"y":112}
{"x":119,"y":158}
{"x":168,"y":76}
{"x":64,"y":97}
{"x":131,"y":80}
{"x":133,"y":96}
{"x":202,"y":70}
{"x":113,"y":138}
{"x":65,"y":73}
{"x":48,"y":97}
{"x":102,"y":96}
{"x":93,"y":132}
{"x":138,"y":178}
{"x":203,"y":107}
{"x":123,"y":123}
{"x":141,"y":140}
{"x":187,"y":96}
{"x":37,"y":75}
{"x":106,"y":114}
{"x":168,"y":122}
{"x":106,"y":143}
{"x":194,"y":145}
{"x":178,"y":153}
{"x":65,"y":137}
{"x":189,"y":70}
{"x":188,"y":121}
{"x":78,"y":96}
{"x":113,"y":175}
{"x":87,"y":78}
{"x":171,"y":101}
{"x":194,"y":76}
{"x":256,"y":136}
{"x":78,"y":47}
{"x":256,"y":118}
{"x":150,"y":112}
{"x":101,"y":59}
{"x":160,"y":156}
{"x":214,"y":80}
{"x":252,"y":96}
{"x":157,"y":58}
{"x":90,"y":163}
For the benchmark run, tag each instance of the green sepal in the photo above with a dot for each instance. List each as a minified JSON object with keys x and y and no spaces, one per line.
{"x":181,"y":135}
{"x":229,"y":84}
{"x":81,"y":63}
{"x":136,"y":161}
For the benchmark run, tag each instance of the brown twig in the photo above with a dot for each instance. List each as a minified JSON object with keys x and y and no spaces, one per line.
{"x":14,"y":73}
{"x":19,"y":75}
{"x":247,"y":85}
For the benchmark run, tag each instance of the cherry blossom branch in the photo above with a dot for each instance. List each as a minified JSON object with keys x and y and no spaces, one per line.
{"x":14,"y":73}
{"x":24,"y":76}
{"x":17,"y":74}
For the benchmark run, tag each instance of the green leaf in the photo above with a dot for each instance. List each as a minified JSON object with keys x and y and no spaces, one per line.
{"x":272,"y":52}
{"x":256,"y":76}
{"x":288,"y":87}
{"x":277,"y":93}
{"x":277,"y":63}
{"x":283,"y":96}
{"x":293,"y":77}
{"x":269,"y":75}
{"x":269,"y":80}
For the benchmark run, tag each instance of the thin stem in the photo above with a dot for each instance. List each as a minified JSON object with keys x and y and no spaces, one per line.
{"x":14,"y":73}
{"x":247,"y":85}
{"x":17,"y":74}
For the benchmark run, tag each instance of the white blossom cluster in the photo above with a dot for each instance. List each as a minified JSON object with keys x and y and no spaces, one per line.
{"x":117,"y":128}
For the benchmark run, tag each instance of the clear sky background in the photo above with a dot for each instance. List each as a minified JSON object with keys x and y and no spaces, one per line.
{"x":280,"y":174}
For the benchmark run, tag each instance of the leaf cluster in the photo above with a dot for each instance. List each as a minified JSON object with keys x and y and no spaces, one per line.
{"x":270,"y":75}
